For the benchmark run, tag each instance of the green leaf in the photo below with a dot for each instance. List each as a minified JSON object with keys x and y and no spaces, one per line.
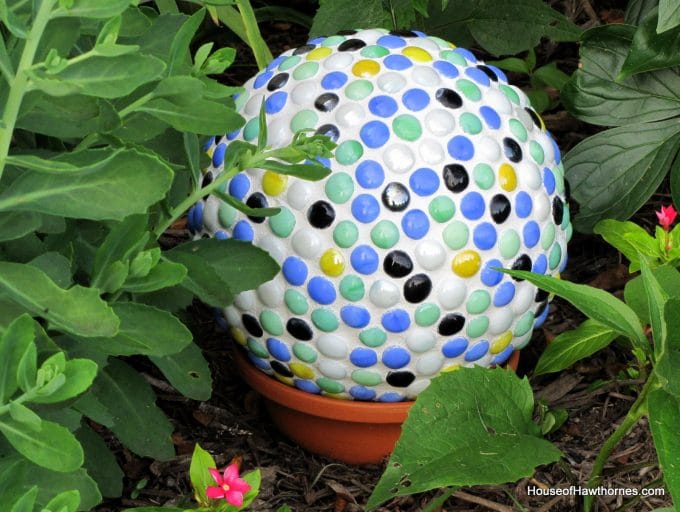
{"x":163,"y":275}
{"x":311,"y":171}
{"x":100,"y":463}
{"x":636,"y":10}
{"x":188,"y":372}
{"x":614,"y":172}
{"x":181,"y":89}
{"x":469,"y":427}
{"x":80,"y":374}
{"x":203,"y":281}
{"x":145,"y":330}
{"x":675,"y":181}
{"x":67,"y":501}
{"x":594,"y":95}
{"x":26,"y":502}
{"x":115,"y":184}
{"x":56,"y":266}
{"x":12,"y":21}
{"x":27,"y":368}
{"x":52,"y":447}
{"x":203,"y":116}
{"x":201,"y":462}
{"x":139,"y":423}
{"x":651,"y":51}
{"x":193,"y":153}
{"x":22,"y":414}
{"x":77,"y":310}
{"x":668,"y":362}
{"x":656,"y":301}
{"x":18,"y":336}
{"x":551,"y":76}
{"x":572,"y":346}
{"x":335,"y":15}
{"x":629,"y":238}
{"x":669,"y":15}
{"x":201,"y":56}
{"x":597,"y":304}
{"x":93,"y":8}
{"x":90,"y":406}
{"x":254,"y":478}
{"x":123,"y":241}
{"x":512,"y":64}
{"x":113,"y":277}
{"x":664,"y":417}
{"x":179,"y":50}
{"x":51,"y":483}
{"x":244,"y":208}
{"x":35,"y":163}
{"x":634,"y":292}
{"x":14,"y":225}
{"x":219,"y":61}
{"x":103,"y":77}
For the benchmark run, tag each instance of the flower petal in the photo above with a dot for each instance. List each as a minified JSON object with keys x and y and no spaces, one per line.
{"x":234,"y":497}
{"x":216,"y":476}
{"x":239,"y":485}
{"x":214,"y":493}
{"x":230,"y":473}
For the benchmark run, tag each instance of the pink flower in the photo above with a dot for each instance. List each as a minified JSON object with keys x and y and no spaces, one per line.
{"x":230,"y":486}
{"x":666,"y":216}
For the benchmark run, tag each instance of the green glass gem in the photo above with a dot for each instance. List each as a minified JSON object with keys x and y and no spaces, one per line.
{"x":303,"y":120}
{"x":358,"y":90}
{"x":478,"y":302}
{"x":373,"y":337}
{"x":569,"y":232}
{"x":442,"y":208}
{"x":349,"y":152}
{"x":470,"y":123}
{"x":366,"y":377}
{"x":558,"y":171}
{"x":325,"y":320}
{"x":257,"y":348}
{"x":439,"y":41}
{"x":454,"y":57}
{"x":330,"y":385}
{"x":536,"y":152}
{"x":251,"y":129}
{"x":524,"y":324}
{"x":469,"y":89}
{"x":456,"y":235}
{"x":518,"y":129}
{"x":352,"y":288}
{"x":333,"y":40}
{"x":385,"y":234}
{"x":345,"y":234}
{"x":271,"y":322}
{"x":295,"y":301}
{"x":282,"y":223}
{"x":427,"y":314}
{"x":510,"y":93}
{"x":339,"y":187}
{"x":477,"y":326}
{"x":226,"y":214}
{"x":509,"y":243}
{"x":548,"y":236}
{"x":289,"y":63}
{"x":240,"y":102}
{"x":374,"y":51}
{"x":566,"y":217}
{"x":484,"y":176}
{"x":304,"y":352}
{"x":555,"y":256}
{"x":407,"y":127}
{"x":306,"y":70}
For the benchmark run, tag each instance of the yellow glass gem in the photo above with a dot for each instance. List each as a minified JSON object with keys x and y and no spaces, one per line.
{"x":332,"y":263}
{"x":273,"y":184}
{"x":366,"y":68}
{"x":319,"y":53}
{"x":302,"y":370}
{"x":500,"y":343}
{"x":286,"y":380}
{"x":417,"y":54}
{"x":466,"y":263}
{"x":507,"y":178}
{"x":451,"y":368}
{"x":238,"y":335}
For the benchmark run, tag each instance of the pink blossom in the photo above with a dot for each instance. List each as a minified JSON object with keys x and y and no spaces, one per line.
{"x":229,"y":486}
{"x":666,"y":216}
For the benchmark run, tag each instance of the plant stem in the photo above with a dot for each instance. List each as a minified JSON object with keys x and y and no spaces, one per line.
{"x":260,"y":49}
{"x":19,"y":83}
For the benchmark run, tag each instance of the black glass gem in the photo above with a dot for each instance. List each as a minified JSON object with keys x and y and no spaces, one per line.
{"x":451,"y":324}
{"x":488,"y":72}
{"x":558,"y":210}
{"x":252,"y":325}
{"x":347,"y":32}
{"x":304,"y":49}
{"x":397,"y":264}
{"x":257,"y":200}
{"x":456,"y":177}
{"x":403,"y":33}
{"x":523,"y":262}
{"x":402,"y":379}
{"x":417,"y":288}
{"x":321,"y":214}
{"x":512,"y":150}
{"x":541,"y":295}
{"x":351,"y":45}
{"x":326,"y":102}
{"x":541,"y":309}
{"x":278,"y":81}
{"x":329,"y":130}
{"x":449,"y":98}
{"x":299,"y":329}
{"x":534,"y":117}
{"x":281,"y":369}
{"x":567,"y":190}
{"x":207,"y":180}
{"x":395,"y":197}
{"x":500,"y":208}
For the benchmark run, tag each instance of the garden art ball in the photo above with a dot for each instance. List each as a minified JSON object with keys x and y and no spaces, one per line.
{"x":442,"y":173}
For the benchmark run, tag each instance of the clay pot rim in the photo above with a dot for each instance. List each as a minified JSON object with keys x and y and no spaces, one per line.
{"x":323,"y":406}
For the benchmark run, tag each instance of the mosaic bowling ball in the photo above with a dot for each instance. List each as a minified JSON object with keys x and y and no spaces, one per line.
{"x":443,"y":172}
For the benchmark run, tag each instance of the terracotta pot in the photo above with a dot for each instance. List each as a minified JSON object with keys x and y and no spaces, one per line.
{"x":350,"y":431}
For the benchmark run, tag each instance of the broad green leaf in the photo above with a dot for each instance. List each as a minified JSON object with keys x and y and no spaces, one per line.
{"x":634,"y":291}
{"x":18,"y":336}
{"x":13,"y":23}
{"x":173,"y":299}
{"x":181,"y":89}
{"x":203,"y":116}
{"x":629,"y":238}
{"x":219,"y":61}
{"x":664,"y":417}
{"x":144,"y":330}
{"x":157,"y":40}
{"x":335,"y":15}
{"x":9,"y":311}
{"x":103,"y":77}
{"x":139,"y":424}
{"x":93,"y":8}
{"x":200,"y":477}
{"x":669,"y":15}
{"x":27,"y":368}
{"x":668,"y":363}
{"x":192,"y":150}
{"x":469,"y":427}
{"x":202,"y":280}
{"x":56,"y":266}
{"x":188,"y":372}
{"x":513,"y":64}
{"x":597,"y":304}
{"x":551,"y":76}
{"x":254,"y":478}
{"x":651,"y":51}
{"x":35,"y":163}
{"x":120,"y":183}
{"x":67,"y":501}
{"x":53,"y":447}
{"x":675,"y":180}
{"x":574,"y":345}
{"x":313,"y":172}
{"x":12,"y":478}
{"x":244,"y":208}
{"x":51,"y":483}
{"x":60,"y":35}
{"x":78,"y":310}
{"x":14,"y":225}
{"x":135,"y":22}
{"x":656,"y":302}
{"x":614,"y":172}
{"x":637,"y":10}
{"x":179,"y":50}
{"x":22,"y":414}
{"x":100,"y":463}
{"x":5,"y":62}
{"x":112,"y":277}
{"x":594,"y":95}
{"x":26,"y":502}
{"x":80,"y":374}
{"x":121,"y":243}
{"x":201,"y":55}
{"x":90,"y":406}
{"x":165,"y":274}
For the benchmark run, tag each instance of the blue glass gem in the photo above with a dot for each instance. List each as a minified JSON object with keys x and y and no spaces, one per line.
{"x":364,"y":259}
{"x":382,"y":106}
{"x":489,"y":276}
{"x":275,"y":63}
{"x":446,"y":68}
{"x":540,"y":264}
{"x":541,"y":318}
{"x":472,"y":206}
{"x":365,"y":208}
{"x":307,"y":385}
{"x":334,"y":80}
{"x":321,"y":290}
{"x":503,"y":356}
{"x":278,"y":349}
{"x":391,"y":397}
{"x":548,"y":180}
{"x":390,"y":41}
{"x":259,"y":362}
{"x":262,"y":79}
{"x":454,"y":347}
{"x":484,"y":236}
{"x":531,"y":233}
{"x":221,"y":235}
{"x":504,"y":294}
{"x":295,"y":270}
{"x":499,"y":72}
{"x":415,"y":224}
{"x":424,"y":182}
{"x":396,"y":357}
{"x":363,"y":357}
{"x":239,"y":186}
{"x":243,"y":231}
{"x":396,"y":320}
{"x":491,"y":117}
{"x":397,"y":62}
{"x":355,"y":316}
{"x":415,"y":99}
{"x":461,"y":148}
{"x":208,"y":143}
{"x":370,"y":174}
{"x":478,"y":76}
{"x":523,"y":205}
{"x":466,"y":53}
{"x":374,"y":134}
{"x":218,"y":154}
{"x":362,"y":393}
{"x":478,"y":350}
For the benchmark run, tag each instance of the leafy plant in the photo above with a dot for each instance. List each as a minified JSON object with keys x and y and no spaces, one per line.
{"x":629,"y":79}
